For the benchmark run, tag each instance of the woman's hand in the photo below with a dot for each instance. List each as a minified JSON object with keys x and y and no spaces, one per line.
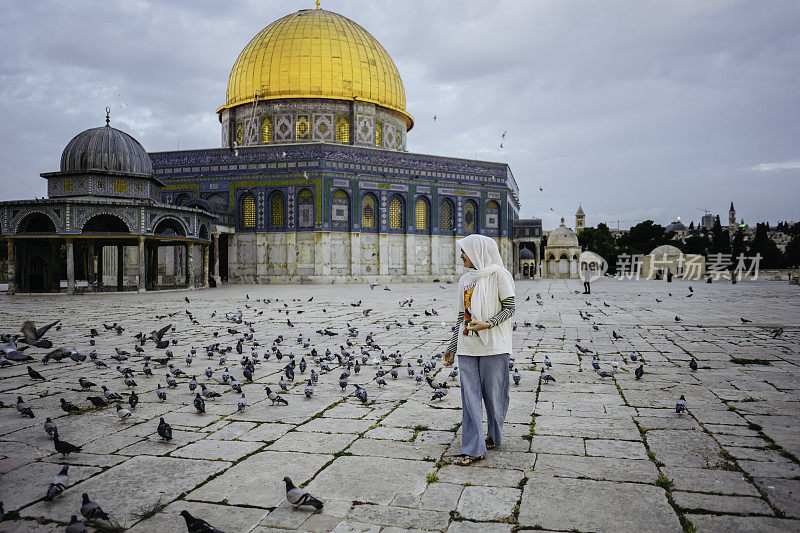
{"x":474,"y":325}
{"x":449,"y":357}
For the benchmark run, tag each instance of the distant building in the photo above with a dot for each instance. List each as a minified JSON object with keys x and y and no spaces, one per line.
{"x":678,"y":227}
{"x":527,"y":236}
{"x":580,"y":220}
{"x":707,"y":222}
{"x":687,"y":266}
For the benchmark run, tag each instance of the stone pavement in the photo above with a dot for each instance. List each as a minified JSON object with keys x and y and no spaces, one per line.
{"x":584,"y":453}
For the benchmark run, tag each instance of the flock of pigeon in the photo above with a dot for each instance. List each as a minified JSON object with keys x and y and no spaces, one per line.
{"x":349,"y":360}
{"x":237,"y":365}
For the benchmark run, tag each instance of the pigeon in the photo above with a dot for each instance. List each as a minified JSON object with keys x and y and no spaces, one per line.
{"x":193,"y":383}
{"x":59,"y":484}
{"x":274,"y":398}
{"x":777,"y":332}
{"x":360,"y":393}
{"x":35,"y":375}
{"x":453,"y":373}
{"x":91,"y":510}
{"x":161,"y":393}
{"x":68,"y":407}
{"x":97,"y":401}
{"x":693,"y":364}
{"x":616,"y":335}
{"x":24,"y":408}
{"x":242,"y":404}
{"x":297,"y":496}
{"x":110,"y":394}
{"x":680,"y":405}
{"x":122,"y":412}
{"x":639,"y":372}
{"x":546,"y":377}
{"x":196,"y":525}
{"x":85,"y":383}
{"x":208,"y":393}
{"x":677,"y":318}
{"x":282,"y":384}
{"x":171,"y":381}
{"x":745,"y":321}
{"x":209,"y":372}
{"x":50,"y":427}
{"x":75,"y":526}
{"x":516,"y":376}
{"x":133,"y":399}
{"x":547,"y":362}
{"x":441,"y":392}
{"x":634,"y":357}
{"x":309,"y":388}
{"x":32,"y":335}
{"x":64,"y":447}
{"x":199,"y":403}
{"x":582,"y":349}
{"x":604,"y":373}
{"x":130,"y":383}
{"x":164,"y":430}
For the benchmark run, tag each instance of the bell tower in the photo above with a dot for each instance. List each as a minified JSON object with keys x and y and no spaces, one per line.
{"x":732,"y":221}
{"x":580,"y":220}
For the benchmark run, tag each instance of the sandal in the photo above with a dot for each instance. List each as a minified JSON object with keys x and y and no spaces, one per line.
{"x":466,"y":460}
{"x":490,"y":443}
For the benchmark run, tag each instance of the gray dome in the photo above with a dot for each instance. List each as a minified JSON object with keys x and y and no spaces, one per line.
{"x":675,"y":226}
{"x":666,"y":249}
{"x":105,"y":149}
{"x":562,"y":236}
{"x":526,"y":254}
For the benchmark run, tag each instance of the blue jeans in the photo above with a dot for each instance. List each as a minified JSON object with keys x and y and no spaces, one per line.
{"x":484,"y":380}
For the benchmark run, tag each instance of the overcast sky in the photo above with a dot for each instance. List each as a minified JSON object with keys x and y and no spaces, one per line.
{"x":634,"y":109}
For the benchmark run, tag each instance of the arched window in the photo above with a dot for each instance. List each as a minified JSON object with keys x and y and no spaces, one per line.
{"x":342,"y":129}
{"x":266,"y":129}
{"x":421,"y":211}
{"x":396,"y":213}
{"x":470,"y":217}
{"x":181,"y":198}
{"x":340,"y":210}
{"x":248,"y":211}
{"x":446,"y":217}
{"x":305,"y":209}
{"x":368,"y":212}
{"x":277,"y":210}
{"x":492,"y":218}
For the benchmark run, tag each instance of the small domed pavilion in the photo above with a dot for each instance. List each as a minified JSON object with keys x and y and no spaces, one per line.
{"x":103,"y":226}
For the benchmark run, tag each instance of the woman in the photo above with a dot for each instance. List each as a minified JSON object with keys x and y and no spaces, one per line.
{"x":482,"y":340}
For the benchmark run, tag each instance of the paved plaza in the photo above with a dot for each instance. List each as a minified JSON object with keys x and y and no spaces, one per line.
{"x":585,"y":453}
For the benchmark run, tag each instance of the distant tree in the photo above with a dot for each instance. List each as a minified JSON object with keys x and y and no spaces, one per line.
{"x":691,"y":225}
{"x":642,"y":238}
{"x":720,"y":240}
{"x":738,"y":246}
{"x":696,"y":244}
{"x":600,"y":241}
{"x":771,"y":256}
{"x":792,"y":253}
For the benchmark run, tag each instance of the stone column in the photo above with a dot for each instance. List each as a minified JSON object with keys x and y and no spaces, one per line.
{"x":90,"y":266}
{"x":383,"y":254}
{"x":355,"y":253}
{"x":190,"y":265}
{"x":70,"y":267}
{"x":205,"y":265}
{"x":456,"y":256}
{"x":142,"y":266}
{"x":411,"y":254}
{"x":12,"y":267}
{"x":322,"y":253}
{"x":516,"y":264}
{"x":434,"y":256}
{"x":120,"y":267}
{"x":291,"y":253}
{"x":215,"y":269}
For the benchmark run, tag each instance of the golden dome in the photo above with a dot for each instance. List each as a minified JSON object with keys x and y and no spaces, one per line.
{"x":316,"y":53}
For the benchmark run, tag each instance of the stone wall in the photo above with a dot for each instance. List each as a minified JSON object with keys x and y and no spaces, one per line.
{"x":343,"y":257}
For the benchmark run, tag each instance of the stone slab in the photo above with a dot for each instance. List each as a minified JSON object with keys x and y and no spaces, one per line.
{"x":488,"y":503}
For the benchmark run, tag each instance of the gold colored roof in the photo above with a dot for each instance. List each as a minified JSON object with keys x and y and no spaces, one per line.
{"x":316,"y":53}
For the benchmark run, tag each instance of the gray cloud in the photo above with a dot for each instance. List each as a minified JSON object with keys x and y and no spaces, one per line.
{"x":634,"y":109}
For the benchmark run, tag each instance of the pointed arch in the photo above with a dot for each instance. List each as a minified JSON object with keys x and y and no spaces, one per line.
{"x":397,"y":215}
{"x":422,"y":215}
{"x":340,"y":210}
{"x":369,"y":212}
{"x":247,"y":211}
{"x":447,"y":217}
{"x":276,"y":204}
{"x":305,"y":209}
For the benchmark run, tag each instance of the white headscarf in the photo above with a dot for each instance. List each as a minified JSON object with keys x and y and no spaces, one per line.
{"x":485,"y":257}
